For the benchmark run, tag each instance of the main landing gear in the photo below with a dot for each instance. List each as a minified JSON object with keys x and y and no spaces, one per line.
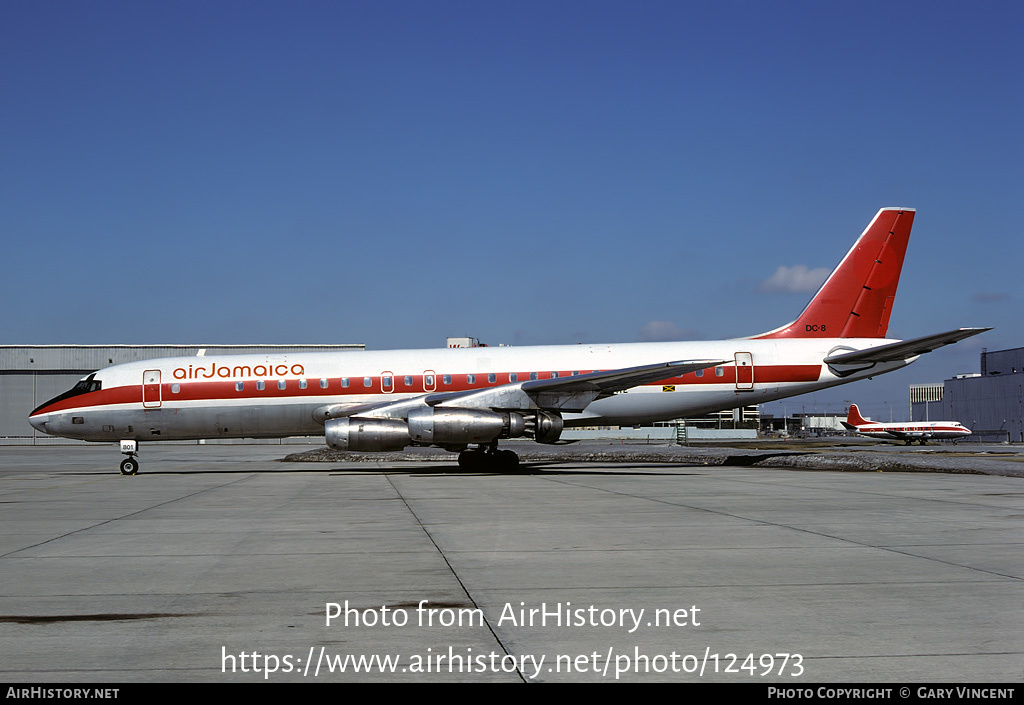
{"x":130,"y":466}
{"x":489,"y":458}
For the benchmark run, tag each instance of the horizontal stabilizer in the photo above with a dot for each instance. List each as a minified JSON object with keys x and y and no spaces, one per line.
{"x":904,"y":349}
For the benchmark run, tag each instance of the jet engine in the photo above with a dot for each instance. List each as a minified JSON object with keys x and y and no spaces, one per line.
{"x":459,"y":427}
{"x":546,"y":427}
{"x":372,"y":435}
{"x":452,"y":428}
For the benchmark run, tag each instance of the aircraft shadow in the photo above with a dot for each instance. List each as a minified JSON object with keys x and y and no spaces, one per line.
{"x":550,"y":468}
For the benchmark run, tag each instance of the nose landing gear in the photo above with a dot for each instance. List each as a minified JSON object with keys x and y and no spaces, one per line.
{"x":129,"y":466}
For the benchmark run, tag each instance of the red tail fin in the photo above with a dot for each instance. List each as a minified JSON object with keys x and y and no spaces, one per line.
{"x":854,"y":418}
{"x":856,"y":299}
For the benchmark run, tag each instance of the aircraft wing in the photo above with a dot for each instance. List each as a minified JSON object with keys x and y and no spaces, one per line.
{"x":904,"y":349}
{"x":397,"y":409}
{"x":560,"y":393}
{"x":572,"y":393}
{"x":899,"y":435}
{"x":617,"y":380}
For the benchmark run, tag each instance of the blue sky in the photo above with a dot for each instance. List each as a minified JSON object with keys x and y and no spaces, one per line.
{"x":391,"y":173}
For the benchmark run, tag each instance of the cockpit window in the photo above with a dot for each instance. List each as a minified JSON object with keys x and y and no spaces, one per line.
{"x":89,"y":384}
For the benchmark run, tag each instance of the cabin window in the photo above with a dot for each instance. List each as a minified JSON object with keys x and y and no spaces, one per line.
{"x":533,"y":375}
{"x":323,"y":384}
{"x":261,"y":385}
{"x":700,"y":373}
{"x":513,"y":377}
{"x":428,"y":380}
{"x":302,"y":384}
{"x":554,"y":375}
{"x":492,"y":378}
{"x":77,"y":419}
{"x":575,"y":372}
{"x":344,"y":382}
{"x":470,"y":379}
{"x":175,"y":388}
{"x":385,"y":381}
{"x":367,"y":382}
{"x":447,"y":379}
{"x":239,"y":386}
{"x":719,"y":372}
{"x":408,"y":380}
{"x":281,"y":384}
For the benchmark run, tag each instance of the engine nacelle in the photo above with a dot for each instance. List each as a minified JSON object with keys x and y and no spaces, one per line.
{"x":439,"y":426}
{"x":443,"y":426}
{"x":372,"y":435}
{"x":548,"y":427}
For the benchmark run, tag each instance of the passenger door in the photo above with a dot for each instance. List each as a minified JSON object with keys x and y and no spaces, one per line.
{"x":744,"y":371}
{"x":151,"y":390}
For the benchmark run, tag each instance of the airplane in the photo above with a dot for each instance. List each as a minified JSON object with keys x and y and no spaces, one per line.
{"x":467,"y":399}
{"x":908,"y":431}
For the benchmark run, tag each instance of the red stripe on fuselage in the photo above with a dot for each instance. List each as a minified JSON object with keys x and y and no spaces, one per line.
{"x":912,"y":429}
{"x":196,"y":390}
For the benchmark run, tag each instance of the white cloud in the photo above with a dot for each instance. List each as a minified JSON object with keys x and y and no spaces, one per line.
{"x":661,"y":331}
{"x":987,"y":297}
{"x":798,"y":279}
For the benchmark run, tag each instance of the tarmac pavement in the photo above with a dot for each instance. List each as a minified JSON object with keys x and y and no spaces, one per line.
{"x":222,"y":563}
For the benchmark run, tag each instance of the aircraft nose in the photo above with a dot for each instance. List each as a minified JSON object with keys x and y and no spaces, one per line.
{"x":38,"y":423}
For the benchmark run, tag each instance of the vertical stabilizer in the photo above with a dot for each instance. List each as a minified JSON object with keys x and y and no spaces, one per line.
{"x":856,"y":299}
{"x":853,"y":418}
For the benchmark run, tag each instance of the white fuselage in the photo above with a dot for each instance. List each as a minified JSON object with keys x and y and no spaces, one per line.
{"x":915,"y":430}
{"x":236,"y":396}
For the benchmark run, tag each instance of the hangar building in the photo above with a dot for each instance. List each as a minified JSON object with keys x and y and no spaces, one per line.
{"x":990,"y":403}
{"x":33,"y":374}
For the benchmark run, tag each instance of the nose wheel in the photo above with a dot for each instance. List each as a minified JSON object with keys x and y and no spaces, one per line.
{"x":130,"y":465}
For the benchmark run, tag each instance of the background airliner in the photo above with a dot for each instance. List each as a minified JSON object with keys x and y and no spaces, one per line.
{"x":467,"y":399}
{"x":908,"y":431}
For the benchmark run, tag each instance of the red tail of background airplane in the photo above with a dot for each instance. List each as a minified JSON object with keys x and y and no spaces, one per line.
{"x":853,"y":417}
